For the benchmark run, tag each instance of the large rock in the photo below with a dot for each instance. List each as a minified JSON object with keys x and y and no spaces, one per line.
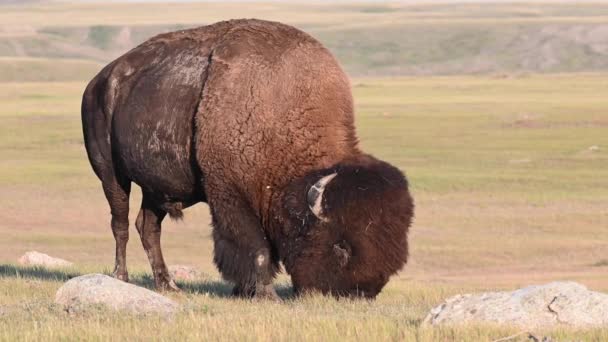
{"x":34,"y":258}
{"x":91,"y":289}
{"x":555,"y":303}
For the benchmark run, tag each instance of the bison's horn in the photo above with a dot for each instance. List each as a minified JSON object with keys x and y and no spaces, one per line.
{"x":315,"y":195}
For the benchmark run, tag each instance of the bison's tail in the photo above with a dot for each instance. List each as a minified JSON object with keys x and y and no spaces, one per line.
{"x":174,"y":210}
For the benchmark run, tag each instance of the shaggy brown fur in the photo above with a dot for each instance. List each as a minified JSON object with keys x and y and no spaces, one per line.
{"x":247,"y":115}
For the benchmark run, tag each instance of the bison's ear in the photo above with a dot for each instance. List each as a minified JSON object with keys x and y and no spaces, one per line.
{"x":342,"y":252}
{"x":315,"y":196}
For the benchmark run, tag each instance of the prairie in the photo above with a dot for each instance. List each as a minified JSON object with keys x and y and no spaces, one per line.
{"x":508,"y":164}
{"x":508,"y":193}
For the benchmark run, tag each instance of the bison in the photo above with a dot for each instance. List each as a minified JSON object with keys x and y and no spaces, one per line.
{"x":256,"y":119}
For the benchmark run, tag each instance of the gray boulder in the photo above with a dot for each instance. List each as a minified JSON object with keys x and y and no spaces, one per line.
{"x":566,"y":303}
{"x":99,"y":289}
{"x":34,"y":258}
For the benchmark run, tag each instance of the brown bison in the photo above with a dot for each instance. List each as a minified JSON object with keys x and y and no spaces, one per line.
{"x":256,"y":119}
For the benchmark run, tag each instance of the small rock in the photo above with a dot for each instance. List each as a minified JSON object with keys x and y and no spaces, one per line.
{"x":551,"y":304}
{"x":182,"y":272}
{"x":95,"y":289}
{"x":594,"y":148}
{"x":34,"y":258}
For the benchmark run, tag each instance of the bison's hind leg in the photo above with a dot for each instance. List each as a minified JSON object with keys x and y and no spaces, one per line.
{"x":148,"y":225}
{"x":117,"y":192}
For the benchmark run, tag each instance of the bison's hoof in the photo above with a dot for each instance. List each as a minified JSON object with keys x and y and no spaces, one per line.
{"x":167,"y":285}
{"x":239,"y":291}
{"x":266,"y":292}
{"x":121,"y":276}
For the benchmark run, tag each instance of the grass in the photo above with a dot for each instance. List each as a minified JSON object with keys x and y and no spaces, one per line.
{"x":508,"y":194}
{"x":395,"y":316}
{"x":27,"y":69}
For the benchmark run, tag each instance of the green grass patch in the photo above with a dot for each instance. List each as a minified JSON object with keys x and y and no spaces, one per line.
{"x":15,"y":69}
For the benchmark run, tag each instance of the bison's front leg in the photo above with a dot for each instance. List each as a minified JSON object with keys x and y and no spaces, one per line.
{"x":242,"y":253}
{"x":252,"y":273}
{"x":249,"y":288}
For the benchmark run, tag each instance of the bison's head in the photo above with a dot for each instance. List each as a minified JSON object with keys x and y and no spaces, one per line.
{"x":354,"y":234}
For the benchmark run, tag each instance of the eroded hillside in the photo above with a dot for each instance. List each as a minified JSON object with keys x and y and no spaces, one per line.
{"x":37,"y":39}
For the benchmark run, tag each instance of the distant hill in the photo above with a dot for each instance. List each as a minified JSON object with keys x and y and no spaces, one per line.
{"x":18,"y":2}
{"x":368,"y":39}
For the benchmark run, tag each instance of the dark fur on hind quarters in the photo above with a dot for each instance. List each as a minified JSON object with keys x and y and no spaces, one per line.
{"x":256,"y":119}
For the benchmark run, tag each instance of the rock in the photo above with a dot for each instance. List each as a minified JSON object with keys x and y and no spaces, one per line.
{"x":34,"y":258}
{"x":182,"y":272}
{"x":551,"y":304}
{"x":95,"y":289}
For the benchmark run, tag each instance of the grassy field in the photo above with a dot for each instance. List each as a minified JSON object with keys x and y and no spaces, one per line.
{"x":508,"y":194}
{"x":509,"y":168}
